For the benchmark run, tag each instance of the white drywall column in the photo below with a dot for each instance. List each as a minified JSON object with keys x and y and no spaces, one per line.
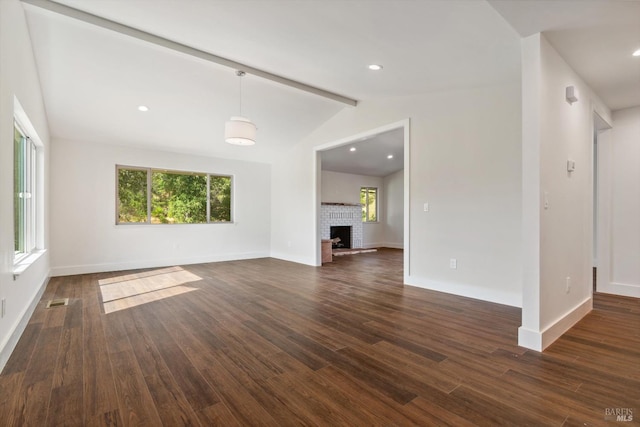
{"x":528,"y":334}
{"x":557,"y":204}
{"x":393,"y":203}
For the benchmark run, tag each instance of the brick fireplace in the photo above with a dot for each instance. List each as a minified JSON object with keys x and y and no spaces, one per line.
{"x":342,"y":214}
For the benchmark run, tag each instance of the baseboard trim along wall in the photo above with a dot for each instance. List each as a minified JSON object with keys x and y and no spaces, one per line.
{"x":132,"y":265}
{"x":384,"y":245}
{"x":538,"y":341}
{"x":619,"y":289}
{"x":483,"y":294}
{"x":294,"y":258}
{"x":12,"y":340}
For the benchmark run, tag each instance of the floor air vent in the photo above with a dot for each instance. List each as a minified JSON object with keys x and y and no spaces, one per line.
{"x":57,"y":302}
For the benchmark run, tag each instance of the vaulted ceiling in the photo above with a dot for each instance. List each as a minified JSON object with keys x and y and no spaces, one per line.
{"x":93,"y":79}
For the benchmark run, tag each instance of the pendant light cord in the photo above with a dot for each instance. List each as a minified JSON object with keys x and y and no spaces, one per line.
{"x":240,"y":74}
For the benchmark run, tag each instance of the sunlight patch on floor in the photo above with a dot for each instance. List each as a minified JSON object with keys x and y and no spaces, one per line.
{"x":126,"y":291}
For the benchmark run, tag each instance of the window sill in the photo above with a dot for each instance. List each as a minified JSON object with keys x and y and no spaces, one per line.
{"x":26,"y":262}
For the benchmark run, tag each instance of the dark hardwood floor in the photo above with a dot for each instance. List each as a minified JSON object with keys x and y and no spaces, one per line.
{"x":267,"y":342}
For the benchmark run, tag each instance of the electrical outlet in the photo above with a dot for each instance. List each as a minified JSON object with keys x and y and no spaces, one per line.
{"x":568,"y":285}
{"x":546,"y":200}
{"x":453,"y":263}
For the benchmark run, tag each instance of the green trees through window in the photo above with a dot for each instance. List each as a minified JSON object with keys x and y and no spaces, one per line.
{"x":369,"y":202}
{"x":169,"y":197}
{"x":132,"y":195}
{"x":178,"y":198}
{"x":24,"y":191}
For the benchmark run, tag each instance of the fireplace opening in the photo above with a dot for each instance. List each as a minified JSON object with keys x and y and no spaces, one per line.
{"x":341,"y":236}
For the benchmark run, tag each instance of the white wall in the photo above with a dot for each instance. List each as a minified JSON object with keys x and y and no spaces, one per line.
{"x":393,"y":217}
{"x":557,"y":237}
{"x":619,"y":251}
{"x":345,"y":188}
{"x":86,"y":239}
{"x":465,"y":161}
{"x":18,"y":78}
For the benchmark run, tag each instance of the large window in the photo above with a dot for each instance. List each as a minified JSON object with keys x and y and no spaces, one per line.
{"x":153,"y":196}
{"x":25,"y":192}
{"x":369,"y":202}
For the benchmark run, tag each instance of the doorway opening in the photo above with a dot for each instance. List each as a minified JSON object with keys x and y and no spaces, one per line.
{"x":601,"y":206}
{"x":377,"y":159}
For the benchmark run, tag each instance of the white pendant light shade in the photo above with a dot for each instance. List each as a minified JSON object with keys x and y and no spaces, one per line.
{"x":240,"y":131}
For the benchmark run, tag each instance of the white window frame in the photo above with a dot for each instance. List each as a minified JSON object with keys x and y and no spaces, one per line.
{"x":32,"y":195}
{"x":365,"y":207}
{"x":150,"y":172}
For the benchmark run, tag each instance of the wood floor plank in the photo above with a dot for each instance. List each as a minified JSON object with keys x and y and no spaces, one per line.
{"x":32,"y":404}
{"x":106,"y":419}
{"x":66,"y":406}
{"x":172,"y":407}
{"x":237,"y":399}
{"x":427,"y":413}
{"x":135,"y":404}
{"x":297,"y":351}
{"x":269,"y":342}
{"x":310,"y":404}
{"x":9,"y":384}
{"x":100,"y":399}
{"x":196,"y":390}
{"x":261,"y":391}
{"x":379,"y":404}
{"x":68,"y":366}
{"x":21,"y":355}
{"x":495,"y":410}
{"x":218,"y":416}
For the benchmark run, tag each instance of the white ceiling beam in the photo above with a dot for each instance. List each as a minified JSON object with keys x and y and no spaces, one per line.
{"x":182,"y":48}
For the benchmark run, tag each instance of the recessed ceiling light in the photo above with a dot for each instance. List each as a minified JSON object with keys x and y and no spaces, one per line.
{"x":352,"y":149}
{"x":375,"y":67}
{"x":143,"y":108}
{"x":636,"y":53}
{"x":390,"y":156}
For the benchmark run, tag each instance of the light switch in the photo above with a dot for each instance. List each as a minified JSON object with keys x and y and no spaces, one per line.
{"x":426,"y":207}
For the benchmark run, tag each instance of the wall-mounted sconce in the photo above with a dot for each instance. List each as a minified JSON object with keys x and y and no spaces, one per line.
{"x":571,"y":94}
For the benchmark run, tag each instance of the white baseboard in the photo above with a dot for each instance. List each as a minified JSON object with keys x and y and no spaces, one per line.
{"x":619,"y":289}
{"x":294,"y":258}
{"x":132,"y":265}
{"x":12,"y":339}
{"x":483,"y":294}
{"x":538,"y":341}
{"x":529,"y":338}
{"x":384,"y":245}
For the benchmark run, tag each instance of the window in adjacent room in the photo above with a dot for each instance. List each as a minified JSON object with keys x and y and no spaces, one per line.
{"x":155,"y":196}
{"x":369,"y":202}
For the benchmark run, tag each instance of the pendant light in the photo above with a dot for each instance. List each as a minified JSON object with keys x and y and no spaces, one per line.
{"x":239,"y":130}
